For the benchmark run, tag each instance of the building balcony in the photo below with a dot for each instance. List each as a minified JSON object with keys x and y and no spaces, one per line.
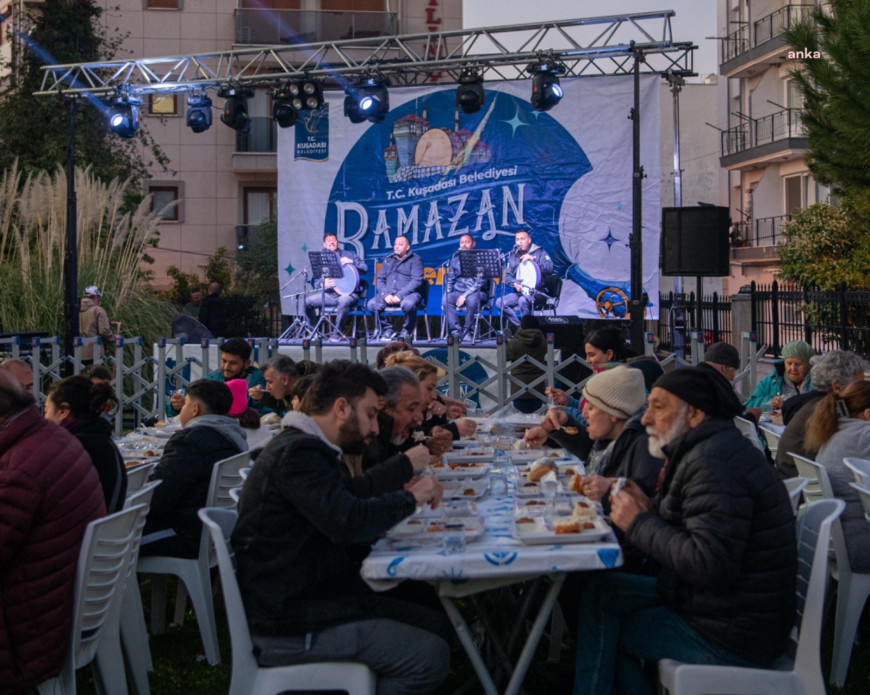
{"x":268,"y":27}
{"x":757,"y":142}
{"x":256,"y":150}
{"x":752,"y":49}
{"x":768,"y":230}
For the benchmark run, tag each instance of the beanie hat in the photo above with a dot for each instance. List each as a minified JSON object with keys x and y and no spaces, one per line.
{"x":92,"y":290}
{"x":704,"y":389}
{"x":649,"y":367}
{"x":239,"y":389}
{"x":723,"y":353}
{"x":619,"y":392}
{"x":798,"y":348}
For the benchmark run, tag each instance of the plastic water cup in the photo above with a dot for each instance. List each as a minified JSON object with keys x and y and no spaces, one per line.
{"x":454,"y":537}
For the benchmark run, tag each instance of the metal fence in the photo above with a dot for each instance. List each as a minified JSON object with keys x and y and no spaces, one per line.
{"x":678,"y":317}
{"x":826,"y":319}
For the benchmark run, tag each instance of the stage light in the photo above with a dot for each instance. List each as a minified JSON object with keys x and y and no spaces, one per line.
{"x":235,"y":113}
{"x":312,"y":94}
{"x":283,"y":111}
{"x":198,"y":113}
{"x":469,"y":94}
{"x":367,"y":101}
{"x":124,"y":117}
{"x":546,"y":90}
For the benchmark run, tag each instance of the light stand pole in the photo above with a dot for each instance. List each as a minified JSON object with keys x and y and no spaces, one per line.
{"x":70,"y":260}
{"x":636,"y":305}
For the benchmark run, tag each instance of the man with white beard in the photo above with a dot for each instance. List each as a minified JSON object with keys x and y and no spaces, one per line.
{"x":720,"y":529}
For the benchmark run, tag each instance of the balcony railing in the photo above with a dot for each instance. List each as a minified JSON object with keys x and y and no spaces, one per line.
{"x":768,"y":230}
{"x":269,"y":27}
{"x":781,"y":125}
{"x":261,"y":137}
{"x":763,"y":30}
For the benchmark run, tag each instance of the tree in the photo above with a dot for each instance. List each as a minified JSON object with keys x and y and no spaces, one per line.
{"x":34,"y":130}
{"x":836,"y":91}
{"x":822,"y":249}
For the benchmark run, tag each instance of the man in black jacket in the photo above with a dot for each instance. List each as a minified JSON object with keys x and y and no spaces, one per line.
{"x":298,"y":545}
{"x":209,"y":435}
{"x":398,"y":286}
{"x":520,"y":299}
{"x":462,"y":292}
{"x":721,"y":529}
{"x":213,"y":311}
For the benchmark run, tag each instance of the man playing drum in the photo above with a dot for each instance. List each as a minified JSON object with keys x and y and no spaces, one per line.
{"x":529,"y":267}
{"x":341,"y":294}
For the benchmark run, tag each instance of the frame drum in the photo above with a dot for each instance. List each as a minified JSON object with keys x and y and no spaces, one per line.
{"x":529,"y":275}
{"x":349,"y":282}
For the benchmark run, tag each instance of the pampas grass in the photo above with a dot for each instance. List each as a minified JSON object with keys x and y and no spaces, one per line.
{"x":112,"y":245}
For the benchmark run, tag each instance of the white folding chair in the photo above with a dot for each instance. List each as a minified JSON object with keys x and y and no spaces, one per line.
{"x":137,"y":476}
{"x":860,"y":469}
{"x":248,"y":677}
{"x":772,"y":439}
{"x":108,"y":548}
{"x":808,"y":469}
{"x":800,"y":671}
{"x":194,"y":574}
{"x":747,"y":429}
{"x":853,"y":589}
{"x":795,"y":486}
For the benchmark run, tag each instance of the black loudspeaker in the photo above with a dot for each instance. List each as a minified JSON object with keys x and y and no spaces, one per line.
{"x":568,"y":337}
{"x":695,"y":241}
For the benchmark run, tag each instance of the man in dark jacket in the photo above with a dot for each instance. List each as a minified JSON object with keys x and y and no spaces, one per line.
{"x":462,"y":292}
{"x":398,"y":286}
{"x":721,"y":530}
{"x":325,"y":294}
{"x":530,"y":341}
{"x":213,"y":311}
{"x":209,"y":435}
{"x":519,"y":298}
{"x":49,"y":493}
{"x":297,"y":545}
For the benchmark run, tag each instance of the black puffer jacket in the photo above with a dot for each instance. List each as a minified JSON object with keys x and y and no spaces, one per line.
{"x":95,"y":435}
{"x":297,"y":535}
{"x":725,"y":540}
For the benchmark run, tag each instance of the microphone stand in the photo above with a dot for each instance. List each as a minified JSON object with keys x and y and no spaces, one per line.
{"x":296,"y":330}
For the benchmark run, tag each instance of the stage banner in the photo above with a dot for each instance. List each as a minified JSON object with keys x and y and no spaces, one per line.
{"x":433,"y":173}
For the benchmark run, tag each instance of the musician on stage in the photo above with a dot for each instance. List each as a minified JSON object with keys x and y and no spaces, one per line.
{"x":463,"y":292}
{"x":341,"y":302}
{"x":519,"y":299}
{"x":398,"y":285}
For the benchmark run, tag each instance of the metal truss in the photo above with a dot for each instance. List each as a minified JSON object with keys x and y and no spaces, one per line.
{"x":593,"y":46}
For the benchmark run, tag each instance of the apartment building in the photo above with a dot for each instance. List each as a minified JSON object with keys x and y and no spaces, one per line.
{"x":763,"y":143}
{"x":225,"y":181}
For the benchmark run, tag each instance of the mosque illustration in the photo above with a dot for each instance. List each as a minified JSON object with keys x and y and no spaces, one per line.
{"x":417,"y":150}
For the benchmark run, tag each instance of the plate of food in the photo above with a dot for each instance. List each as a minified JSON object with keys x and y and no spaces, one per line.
{"x":415,"y":526}
{"x":471,"y":455}
{"x":448,"y":508}
{"x":538,"y":530}
{"x":442,"y":470}
{"x":465,"y":489}
{"x":529,"y":455}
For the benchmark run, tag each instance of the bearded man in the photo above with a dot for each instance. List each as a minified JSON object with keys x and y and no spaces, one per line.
{"x":299,"y":545}
{"x":720,"y":528}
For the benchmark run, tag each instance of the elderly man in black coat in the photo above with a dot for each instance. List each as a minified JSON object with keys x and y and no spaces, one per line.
{"x":720,"y":528}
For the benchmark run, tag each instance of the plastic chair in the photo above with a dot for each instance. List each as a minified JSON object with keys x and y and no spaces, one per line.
{"x":235,"y":493}
{"x":108,"y":548}
{"x":809,"y":469}
{"x":864,"y":495}
{"x":800,"y":671}
{"x":137,"y":476}
{"x":195,"y":573}
{"x":248,"y":677}
{"x":552,"y":291}
{"x":243,"y":473}
{"x":860,"y":469}
{"x":747,"y":429}
{"x":853,"y":589}
{"x":795,"y":486}
{"x":423,"y":290}
{"x":772,"y":439}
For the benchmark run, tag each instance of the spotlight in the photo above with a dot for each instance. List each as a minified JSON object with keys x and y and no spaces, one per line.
{"x":546,"y":90}
{"x":235,"y":113}
{"x":198,"y":113}
{"x":283,"y":111}
{"x":469,"y":94}
{"x":312,"y":94}
{"x":367,"y":101}
{"x":124,"y":117}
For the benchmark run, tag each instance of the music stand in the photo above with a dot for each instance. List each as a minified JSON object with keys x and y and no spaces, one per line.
{"x":480,"y":264}
{"x":324,"y":264}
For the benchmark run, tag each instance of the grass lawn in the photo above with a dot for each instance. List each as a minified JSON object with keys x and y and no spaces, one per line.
{"x":180,"y":665}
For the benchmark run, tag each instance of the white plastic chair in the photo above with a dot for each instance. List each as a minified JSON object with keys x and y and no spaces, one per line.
{"x":248,"y":677}
{"x":807,"y":468}
{"x":108,"y":548}
{"x":235,"y":493}
{"x":137,"y":476}
{"x":194,"y":574}
{"x":799,"y":672}
{"x":864,"y":495}
{"x":243,"y":472}
{"x":772,"y":439}
{"x":853,"y":589}
{"x":860,"y":469}
{"x":747,"y":429}
{"x":795,"y":486}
